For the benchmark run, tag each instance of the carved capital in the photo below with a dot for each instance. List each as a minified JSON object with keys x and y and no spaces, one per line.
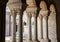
{"x":19,"y":11}
{"x":34,"y":14}
{"x":31,"y":8}
{"x":43,"y":5}
{"x":40,"y":16}
{"x":29,"y":14}
{"x":13,"y":12}
{"x":14,"y":4}
{"x":32,"y":11}
{"x":43,"y":12}
{"x":52,"y":8}
{"x":31,"y":2}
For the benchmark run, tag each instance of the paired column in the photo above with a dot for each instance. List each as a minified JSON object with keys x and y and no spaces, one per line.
{"x":44,"y":13}
{"x":14,"y":26}
{"x":19,"y":30}
{"x":32,"y":9}
{"x":52,"y":25}
{"x":43,"y":27}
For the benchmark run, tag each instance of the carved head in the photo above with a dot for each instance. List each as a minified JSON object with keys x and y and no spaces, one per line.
{"x":52,"y":8}
{"x":43,"y":5}
{"x":31,"y":2}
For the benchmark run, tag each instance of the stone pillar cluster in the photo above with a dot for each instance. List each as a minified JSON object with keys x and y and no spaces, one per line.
{"x":16,"y":8}
{"x":14,"y":26}
{"x":43,"y":15}
{"x":45,"y":21}
{"x":52,"y":27}
{"x":32,"y":12}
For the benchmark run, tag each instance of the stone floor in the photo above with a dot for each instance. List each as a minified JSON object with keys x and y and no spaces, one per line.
{"x":8,"y":39}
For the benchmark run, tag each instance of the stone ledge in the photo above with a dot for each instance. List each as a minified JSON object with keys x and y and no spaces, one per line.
{"x":44,"y":40}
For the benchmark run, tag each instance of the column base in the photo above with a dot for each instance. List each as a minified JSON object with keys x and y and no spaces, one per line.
{"x":13,"y":41}
{"x":35,"y":41}
{"x":29,"y":41}
{"x":44,"y":40}
{"x":54,"y":40}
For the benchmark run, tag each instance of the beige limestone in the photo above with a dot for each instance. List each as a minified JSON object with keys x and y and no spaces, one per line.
{"x":44,"y":40}
{"x":16,"y":4}
{"x":52,"y":8}
{"x":43,"y":5}
{"x":39,"y":27}
{"x":14,"y":26}
{"x":52,"y":24}
{"x":43,"y":18}
{"x":31,"y":2}
{"x":29,"y":39}
{"x":32,"y":9}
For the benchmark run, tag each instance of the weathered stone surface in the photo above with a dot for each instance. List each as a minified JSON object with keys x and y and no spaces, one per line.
{"x":14,"y":4}
{"x":44,"y":13}
{"x":52,"y":33}
{"x":39,"y":28}
{"x":31,"y":2}
{"x":44,"y":40}
{"x":43,"y":5}
{"x":29,"y":41}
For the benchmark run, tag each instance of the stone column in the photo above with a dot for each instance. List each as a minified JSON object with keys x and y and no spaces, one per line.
{"x":45,"y":27}
{"x":10,"y":25}
{"x":14,"y":26}
{"x":40,"y":27}
{"x":52,"y":25}
{"x":34,"y":15}
{"x":19,"y":30}
{"x":44,"y":13}
{"x":29,"y":39}
{"x":17,"y":4}
{"x":31,"y":8}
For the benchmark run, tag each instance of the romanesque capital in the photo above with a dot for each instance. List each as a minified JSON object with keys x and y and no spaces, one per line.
{"x":52,"y":11}
{"x":19,"y":11}
{"x":14,"y":4}
{"x":43,"y":11}
{"x":13,"y":12}
{"x":52,"y":8}
{"x":43,"y":5}
{"x":29,"y":14}
{"x":31,"y":3}
{"x":31,"y":8}
{"x":40,"y":16}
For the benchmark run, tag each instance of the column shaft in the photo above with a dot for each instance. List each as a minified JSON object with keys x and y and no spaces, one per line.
{"x":14,"y":28}
{"x":29,"y":39}
{"x":20,"y":32}
{"x":30,"y":32}
{"x":35,"y":28}
{"x":9,"y":25}
{"x":41,"y":27}
{"x":45,"y":27}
